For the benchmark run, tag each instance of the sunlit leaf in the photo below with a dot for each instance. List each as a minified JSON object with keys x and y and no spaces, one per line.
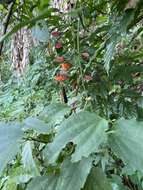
{"x":37,"y":125}
{"x":97,"y":181}
{"x":28,"y":160}
{"x":126,"y":142}
{"x":72,"y":175}
{"x":86,"y":130}
{"x":10,"y":136}
{"x":54,"y":113}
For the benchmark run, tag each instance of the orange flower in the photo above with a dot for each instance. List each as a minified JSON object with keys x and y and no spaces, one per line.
{"x":59,"y":59}
{"x":66,"y":66}
{"x":61,"y":77}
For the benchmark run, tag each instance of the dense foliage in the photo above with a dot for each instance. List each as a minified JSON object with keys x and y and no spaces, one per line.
{"x":74,"y":119}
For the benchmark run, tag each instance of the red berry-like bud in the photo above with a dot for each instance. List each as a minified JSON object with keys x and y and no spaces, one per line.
{"x":58,"y":45}
{"x":59,"y":59}
{"x":88,"y":78}
{"x":55,"y":34}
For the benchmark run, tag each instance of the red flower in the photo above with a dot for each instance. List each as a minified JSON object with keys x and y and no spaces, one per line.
{"x":61,"y":77}
{"x":59,"y":59}
{"x":66,"y":66}
{"x":55,"y":33}
{"x":58,"y":45}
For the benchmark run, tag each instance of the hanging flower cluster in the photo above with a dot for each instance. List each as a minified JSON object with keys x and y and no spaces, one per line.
{"x":65,"y":66}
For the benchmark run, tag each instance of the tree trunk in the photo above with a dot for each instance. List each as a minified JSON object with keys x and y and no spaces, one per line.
{"x":62,"y":5}
{"x":20,"y":50}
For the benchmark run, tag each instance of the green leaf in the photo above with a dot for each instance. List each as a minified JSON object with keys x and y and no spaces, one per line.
{"x":16,"y":176}
{"x":37,"y":125}
{"x":86,"y":130}
{"x":42,"y":183}
{"x":97,"y":181}
{"x":117,"y":183}
{"x":127,"y":19}
{"x":124,"y":72}
{"x":126,"y":142}
{"x":72,"y":175}
{"x":28,"y":160}
{"x":41,"y":32}
{"x":52,"y":115}
{"x":117,"y":31}
{"x":10,"y":186}
{"x":110,"y":51}
{"x":19,"y":175}
{"x":46,"y":13}
{"x":10,"y":135}
{"x":55,"y":113}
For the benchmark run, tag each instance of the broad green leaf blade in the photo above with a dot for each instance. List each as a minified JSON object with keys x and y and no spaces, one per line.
{"x":73,"y":175}
{"x":10,"y":135}
{"x":28,"y":160}
{"x":42,"y":183}
{"x":117,"y":183}
{"x":55,"y":113}
{"x":126,"y":142}
{"x":97,"y":181}
{"x":52,"y":115}
{"x":86,"y":130}
{"x":37,"y":125}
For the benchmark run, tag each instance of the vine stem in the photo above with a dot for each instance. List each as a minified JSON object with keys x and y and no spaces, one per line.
{"x":78,"y":52}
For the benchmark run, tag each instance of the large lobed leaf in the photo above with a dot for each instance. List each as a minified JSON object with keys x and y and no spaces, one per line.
{"x":10,"y":135}
{"x":97,"y":181}
{"x":86,"y":130}
{"x":36,"y":124}
{"x":50,"y":117}
{"x":72,"y":176}
{"x":54,"y":113}
{"x":127,"y":142}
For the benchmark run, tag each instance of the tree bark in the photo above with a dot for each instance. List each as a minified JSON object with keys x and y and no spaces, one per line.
{"x":20,"y":50}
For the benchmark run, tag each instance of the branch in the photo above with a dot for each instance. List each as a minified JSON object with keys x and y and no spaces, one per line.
{"x":6,"y":23}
